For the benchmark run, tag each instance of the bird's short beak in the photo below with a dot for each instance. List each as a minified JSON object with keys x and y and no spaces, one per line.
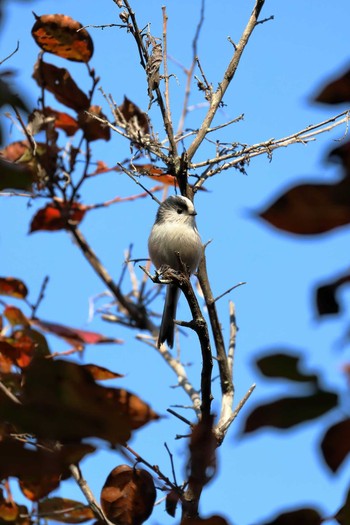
{"x":193,"y":213}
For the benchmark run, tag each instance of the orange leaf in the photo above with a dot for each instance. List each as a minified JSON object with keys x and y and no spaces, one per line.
{"x":36,"y":489}
{"x":63,"y":121}
{"x":93,"y":129}
{"x":53,"y":218}
{"x":15,"y":316}
{"x":13,"y":287}
{"x":128,"y":496}
{"x":58,"y":81}
{"x":155,"y":173}
{"x":63,"y":36}
{"x":8,"y":511}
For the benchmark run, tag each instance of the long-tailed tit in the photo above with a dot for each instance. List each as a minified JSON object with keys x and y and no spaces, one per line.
{"x":174,"y":236}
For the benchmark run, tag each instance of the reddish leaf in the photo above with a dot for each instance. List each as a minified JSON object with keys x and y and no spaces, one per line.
{"x":337,"y":91}
{"x":15,"y":316}
{"x":284,"y":366}
{"x":19,"y":349}
{"x":336,"y":444}
{"x":14,"y":151}
{"x":63,"y":36}
{"x":128,"y":496}
{"x":92,"y":128}
{"x":55,"y":217}
{"x":290,"y":411}
{"x":61,"y":401}
{"x":155,"y":173}
{"x":13,"y":287}
{"x":65,"y":510}
{"x":298,"y":517}
{"x":310,"y":209}
{"x":74,"y":335}
{"x":60,"y":83}
{"x":133,"y":117}
{"x":99,"y":373}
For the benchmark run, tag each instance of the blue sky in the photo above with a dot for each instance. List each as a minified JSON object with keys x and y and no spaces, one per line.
{"x":285,"y":63}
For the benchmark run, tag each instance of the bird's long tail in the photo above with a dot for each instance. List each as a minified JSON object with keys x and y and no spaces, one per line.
{"x":167,"y":327}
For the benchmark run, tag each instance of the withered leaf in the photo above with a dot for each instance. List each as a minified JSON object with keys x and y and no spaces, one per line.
{"x":310,"y":209}
{"x":13,"y":287}
{"x":337,"y":91}
{"x":335,"y":444}
{"x":65,"y":510}
{"x":92,"y":128}
{"x":53,"y":218}
{"x":60,"y":83}
{"x":128,"y":496}
{"x":63,"y":36}
{"x":133,"y":116}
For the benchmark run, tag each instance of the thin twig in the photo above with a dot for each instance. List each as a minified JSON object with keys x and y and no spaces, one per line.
{"x":10,"y":55}
{"x":190,"y":71}
{"x":228,"y":291}
{"x":244,"y":155}
{"x":218,"y":95}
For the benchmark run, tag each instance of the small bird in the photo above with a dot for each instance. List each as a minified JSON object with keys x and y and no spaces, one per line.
{"x":174,"y":234}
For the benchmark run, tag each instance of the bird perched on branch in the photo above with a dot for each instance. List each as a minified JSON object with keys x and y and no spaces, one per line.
{"x":174,"y":238}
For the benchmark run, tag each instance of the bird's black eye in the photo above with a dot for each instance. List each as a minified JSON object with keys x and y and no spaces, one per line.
{"x":179,"y":210}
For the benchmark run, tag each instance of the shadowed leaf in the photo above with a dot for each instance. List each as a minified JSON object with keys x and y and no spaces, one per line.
{"x":63,"y":36}
{"x":13,"y":287}
{"x":297,"y":517}
{"x":326,"y":300}
{"x":171,"y":501}
{"x":343,"y":515}
{"x":61,"y":401}
{"x":15,"y":176}
{"x":290,"y":411}
{"x":39,"y":470}
{"x":60,"y":83}
{"x":337,"y":91}
{"x":15,"y":316}
{"x":284,"y":366}
{"x":128,"y":496}
{"x":213,"y":520}
{"x":310,"y":209}
{"x":335,"y":444}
